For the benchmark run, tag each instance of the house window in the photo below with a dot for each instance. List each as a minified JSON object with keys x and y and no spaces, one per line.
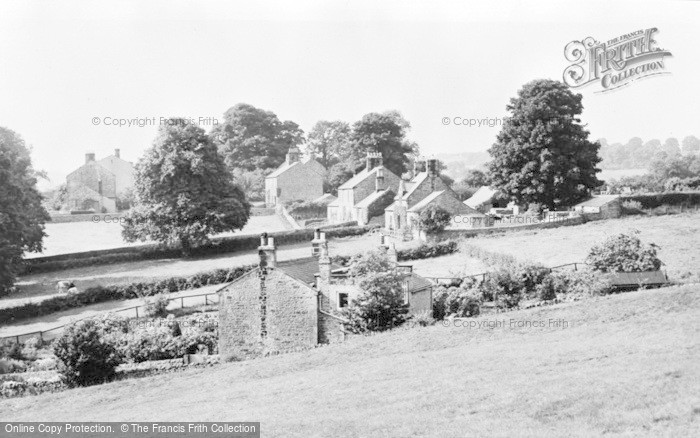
{"x":279,"y":192}
{"x":404,"y":286}
{"x":342,"y":300}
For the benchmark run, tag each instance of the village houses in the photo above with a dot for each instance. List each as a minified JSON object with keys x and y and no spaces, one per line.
{"x":296,"y":304}
{"x":96,"y":185}
{"x":294,"y":180}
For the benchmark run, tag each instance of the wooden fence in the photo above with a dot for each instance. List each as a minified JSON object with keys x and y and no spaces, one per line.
{"x":53,"y":332}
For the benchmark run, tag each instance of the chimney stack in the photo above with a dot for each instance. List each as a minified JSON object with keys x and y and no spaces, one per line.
{"x":318,"y":241}
{"x":379,"y":180}
{"x":432,"y":167}
{"x":116,"y":153}
{"x":293,"y":155}
{"x":374,"y":159}
{"x":267,"y":252}
{"x":324,"y":263}
{"x":90,"y":156}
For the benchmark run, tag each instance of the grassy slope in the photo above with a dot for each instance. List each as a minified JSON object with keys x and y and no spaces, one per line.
{"x":625,"y":364}
{"x":678,"y":237}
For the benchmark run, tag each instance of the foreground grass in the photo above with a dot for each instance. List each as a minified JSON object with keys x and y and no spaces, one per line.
{"x":678,"y":238}
{"x":626,"y":364}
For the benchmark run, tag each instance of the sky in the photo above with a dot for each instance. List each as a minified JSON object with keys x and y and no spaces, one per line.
{"x":69,"y":70}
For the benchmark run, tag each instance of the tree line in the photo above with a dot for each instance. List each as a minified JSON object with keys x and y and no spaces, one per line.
{"x":638,"y":154}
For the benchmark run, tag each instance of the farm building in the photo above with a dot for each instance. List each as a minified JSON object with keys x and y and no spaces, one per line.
{"x":366,"y":194}
{"x":296,"y":304}
{"x":602,"y":206}
{"x":294,"y":180}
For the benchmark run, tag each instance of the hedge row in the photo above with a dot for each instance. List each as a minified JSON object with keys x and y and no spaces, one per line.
{"x":654,"y":200}
{"x":219,"y":245}
{"x":100,"y":294}
{"x":424,"y":251}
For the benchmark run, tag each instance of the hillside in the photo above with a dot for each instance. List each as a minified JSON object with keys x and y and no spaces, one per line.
{"x":624,"y":364}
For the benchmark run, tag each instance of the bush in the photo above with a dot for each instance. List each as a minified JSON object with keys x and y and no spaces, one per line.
{"x":462,"y":302}
{"x":422,"y":319}
{"x":88,"y":358}
{"x":532,"y":279}
{"x":8,"y":366}
{"x":623,"y":253}
{"x":503,"y":287}
{"x":157,"y":306}
{"x":380,"y":306}
{"x":434,"y":219}
{"x":654,"y":200}
{"x":581,"y":284}
{"x":631,"y":207}
{"x":10,"y":349}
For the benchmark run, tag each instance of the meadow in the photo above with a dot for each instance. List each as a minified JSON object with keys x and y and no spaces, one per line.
{"x":677,"y":236}
{"x":616,"y":365}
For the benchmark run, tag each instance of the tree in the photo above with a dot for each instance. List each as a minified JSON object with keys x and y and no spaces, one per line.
{"x":330,"y":142}
{"x":251,"y":182}
{"x":542,"y":154}
{"x":380,"y":306}
{"x":671,"y":147}
{"x":88,"y":357}
{"x":434,"y":219}
{"x":22,"y":215}
{"x":475,"y":178}
{"x":384,"y":133}
{"x":624,"y":253}
{"x":184,"y":191}
{"x":691,"y":145}
{"x":251,"y":138}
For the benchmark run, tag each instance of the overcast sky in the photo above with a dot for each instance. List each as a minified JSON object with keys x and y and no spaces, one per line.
{"x":64,"y":63}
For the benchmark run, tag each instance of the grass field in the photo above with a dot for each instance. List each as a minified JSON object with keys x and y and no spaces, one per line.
{"x":678,"y":237}
{"x":622,"y":365}
{"x":71,"y":237}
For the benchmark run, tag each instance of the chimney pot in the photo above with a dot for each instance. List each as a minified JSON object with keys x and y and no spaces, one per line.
{"x":90,"y":156}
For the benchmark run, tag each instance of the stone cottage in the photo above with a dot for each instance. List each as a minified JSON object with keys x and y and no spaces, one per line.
{"x":366,"y":194}
{"x":294,"y":180}
{"x":96,"y":184}
{"x":424,"y":189}
{"x":294,"y":305}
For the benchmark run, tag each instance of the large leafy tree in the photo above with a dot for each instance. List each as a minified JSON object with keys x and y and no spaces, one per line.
{"x":542,"y":154}
{"x":22,"y":216}
{"x":251,"y":138}
{"x":184,"y":193}
{"x":330,"y":142}
{"x":385,"y":133}
{"x":691,"y":145}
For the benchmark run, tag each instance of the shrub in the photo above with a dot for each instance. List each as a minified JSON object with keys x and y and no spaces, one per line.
{"x":439,"y":299}
{"x":462,"y":302}
{"x":546,"y":289}
{"x":623,"y":253}
{"x":504,"y":287}
{"x":581,"y":283}
{"x":10,"y":349}
{"x":88,"y":358}
{"x":532,"y":278}
{"x":434,"y":219}
{"x":631,"y":207}
{"x":8,"y":366}
{"x":157,"y":306}
{"x":422,"y":319}
{"x":380,"y":306}
{"x":373,"y":261}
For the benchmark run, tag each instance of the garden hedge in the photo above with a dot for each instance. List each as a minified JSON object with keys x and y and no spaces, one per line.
{"x":654,"y":200}
{"x":220,"y":245}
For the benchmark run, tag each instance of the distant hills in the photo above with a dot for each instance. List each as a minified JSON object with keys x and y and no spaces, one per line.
{"x":458,"y":164}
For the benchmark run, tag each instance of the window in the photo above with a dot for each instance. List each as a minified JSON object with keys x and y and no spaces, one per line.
{"x":406,"y":294}
{"x":279,"y":192}
{"x":342,"y":300}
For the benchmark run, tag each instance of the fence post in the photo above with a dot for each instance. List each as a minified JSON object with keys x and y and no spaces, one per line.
{"x":41,"y":336}
{"x":182,"y":302}
{"x":137,"y":311}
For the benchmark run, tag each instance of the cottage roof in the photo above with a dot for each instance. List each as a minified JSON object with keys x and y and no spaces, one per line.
{"x":481,"y":196}
{"x":283,"y":168}
{"x":598,"y":201}
{"x":420,"y":205}
{"x":304,"y":269}
{"x":326,"y":198}
{"x":360,"y":177}
{"x":371,"y":199}
{"x":412,"y":185}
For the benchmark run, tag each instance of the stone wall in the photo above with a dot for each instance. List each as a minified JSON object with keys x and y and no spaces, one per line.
{"x":330,"y":329}
{"x":259,"y":315}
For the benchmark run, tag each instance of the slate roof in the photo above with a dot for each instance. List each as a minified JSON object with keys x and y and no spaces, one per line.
{"x":361,"y":176}
{"x":283,"y":168}
{"x":627,"y":279}
{"x":484,"y":194}
{"x":326,"y":198}
{"x":304,"y":269}
{"x":420,"y":205}
{"x":371,"y":198}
